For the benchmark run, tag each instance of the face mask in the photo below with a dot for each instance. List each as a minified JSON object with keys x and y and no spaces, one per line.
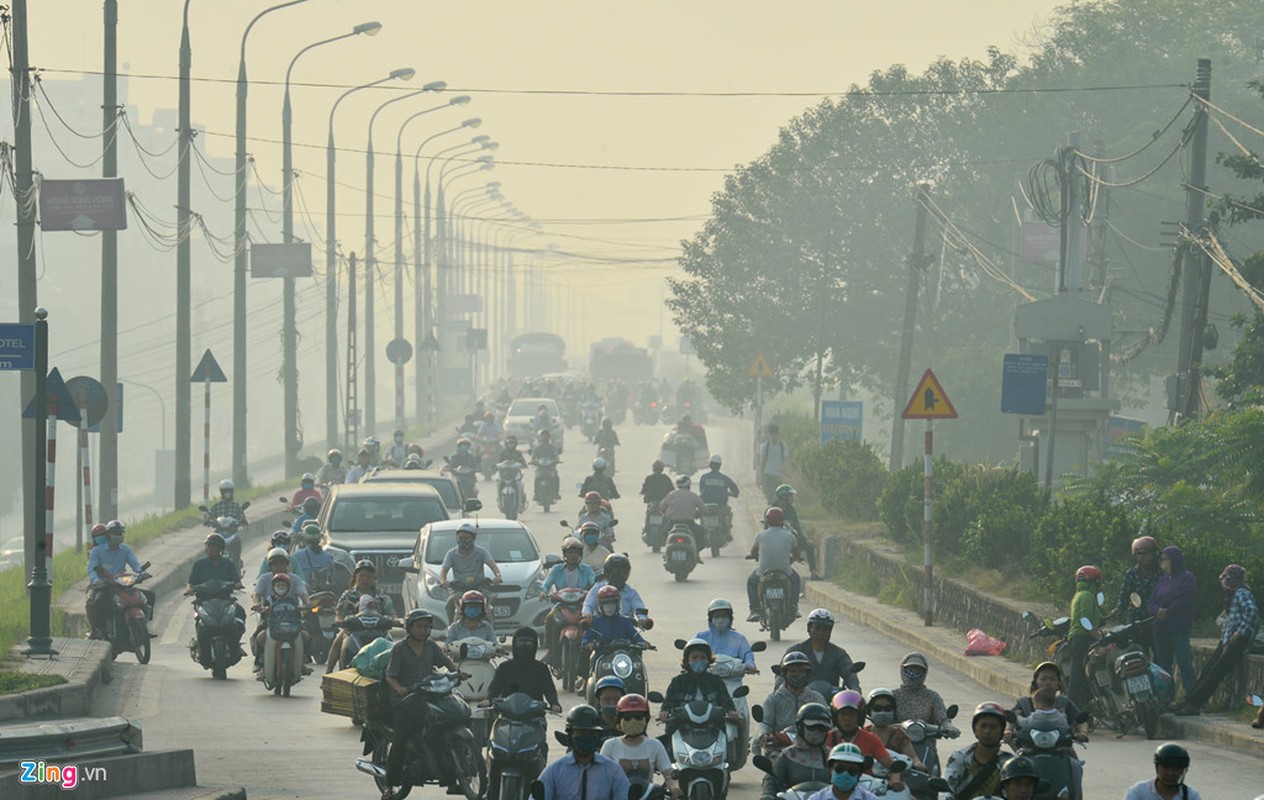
{"x":116,"y":540}
{"x":399,"y":440}
{"x":913,"y":676}
{"x":721,"y":624}
{"x":609,"y":710}
{"x":308,"y":484}
{"x":882,"y":718}
{"x":796,"y":681}
{"x":591,"y":539}
{"x":335,"y":461}
{"x":814,"y":736}
{"x":698,"y":667}
{"x":101,"y":539}
{"x":280,"y":589}
{"x":844,"y":781}
{"x":585,"y":744}
{"x":633,"y":726}
{"x":609,"y":609}
{"x":473,"y":612}
{"x":465,"y":544}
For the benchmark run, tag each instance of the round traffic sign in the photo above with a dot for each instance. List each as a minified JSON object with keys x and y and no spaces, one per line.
{"x":89,"y":395}
{"x":399,"y":351}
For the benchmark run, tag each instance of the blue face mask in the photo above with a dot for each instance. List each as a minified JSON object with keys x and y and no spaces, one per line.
{"x":101,"y":539}
{"x":473,"y":612}
{"x":844,"y":781}
{"x":591,"y":539}
{"x":721,"y":624}
{"x":698,"y":666}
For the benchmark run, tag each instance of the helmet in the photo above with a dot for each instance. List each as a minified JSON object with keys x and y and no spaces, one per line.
{"x":915,"y":660}
{"x":784,"y":490}
{"x":417,"y":615}
{"x":812,"y":715}
{"x":719,"y":605}
{"x":592,"y":497}
{"x":312,"y":531}
{"x":1088,"y":573}
{"x":332,"y":453}
{"x":848,"y":698}
{"x":682,"y":482}
{"x":821,"y":616}
{"x":1144,"y":544}
{"x":365,"y":564}
{"x":511,"y":441}
{"x":583,"y":718}
{"x":467,"y":528}
{"x":657,"y":466}
{"x":215,"y":539}
{"x":415,"y":450}
{"x":775,"y":516}
{"x":716,"y":460}
{"x":226,"y":485}
{"x":599,"y":464}
{"x":608,"y":592}
{"x":307,"y":476}
{"x":616,"y":560}
{"x":589,"y":526}
{"x":1171,"y":754}
{"x":115,"y":527}
{"x":280,"y":538}
{"x":571,"y":543}
{"x":607,"y":423}
{"x":473,"y":596}
{"x":278,"y":552}
{"x":398,"y":432}
{"x":794,"y":658}
{"x":370,"y":441}
{"x":366,"y":453}
{"x":881,"y":693}
{"x":1041,"y":667}
{"x":311,"y":502}
{"x":988,"y":709}
{"x":847,"y":753}
{"x":98,"y":529}
{"x":632,"y":704}
{"x":609,"y":682}
{"x":695,"y":643}
{"x":1019,"y":767}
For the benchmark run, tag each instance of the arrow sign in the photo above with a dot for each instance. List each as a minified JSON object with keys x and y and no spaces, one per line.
{"x":759,"y":368}
{"x":67,"y":411}
{"x":929,"y":401}
{"x":208,"y":371}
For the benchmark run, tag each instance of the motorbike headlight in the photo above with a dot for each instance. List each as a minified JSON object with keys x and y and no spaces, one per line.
{"x":702,"y":758}
{"x":622,"y":666}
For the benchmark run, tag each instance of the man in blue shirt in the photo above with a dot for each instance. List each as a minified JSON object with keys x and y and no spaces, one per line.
{"x":583,"y":773}
{"x":104,"y":563}
{"x":617,"y":569}
{"x":313,"y":563}
{"x":715,"y":488}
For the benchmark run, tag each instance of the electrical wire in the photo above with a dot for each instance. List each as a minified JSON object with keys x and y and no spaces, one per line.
{"x":1154,"y":138}
{"x":1216,"y":252}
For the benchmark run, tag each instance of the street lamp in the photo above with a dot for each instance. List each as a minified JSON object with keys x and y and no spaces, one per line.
{"x":239,"y":260}
{"x":289,"y":327}
{"x":331,"y":271}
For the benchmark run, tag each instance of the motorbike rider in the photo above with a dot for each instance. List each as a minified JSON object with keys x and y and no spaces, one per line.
{"x":572,"y":573}
{"x":830,"y":663}
{"x":307,"y":489}
{"x":522,"y":673}
{"x":512,"y":453}
{"x":599,"y":481}
{"x":311,"y":510}
{"x":466,"y":561}
{"x":595,"y":553}
{"x":227,"y":507}
{"x":374,"y":446}
{"x":398,"y":450}
{"x":846,"y":764}
{"x":545,"y":451}
{"x":848,"y":709}
{"x":975,"y":771}
{"x":606,"y":436}
{"x":1049,"y":674}
{"x":464,"y":455}
{"x":783,"y":704}
{"x":1088,"y":580}
{"x":1019,"y":779}
{"x":884,"y":723}
{"x":313,"y":560}
{"x":265,"y":591}
{"x":583,"y":773}
{"x":1171,"y":762}
{"x":715,"y":488}
{"x":637,"y":753}
{"x":472,"y":622}
{"x":106,"y":561}
{"x":723,"y":639}
{"x":363,"y":584}
{"x":616,"y":570}
{"x":595,"y":512}
{"x":280,"y":538}
{"x":606,"y":695}
{"x":699,"y":434}
{"x":332,"y":471}
{"x":541,"y":421}
{"x":608,"y":624}
{"x":362,"y":467}
{"x":784,"y":499}
{"x":212,"y":567}
{"x":695,"y":683}
{"x":1140,"y":579}
{"x":412,"y":659}
{"x":775,"y":547}
{"x":915,"y":701}
{"x":656,"y":485}
{"x":805,"y":759}
{"x":681,"y":505}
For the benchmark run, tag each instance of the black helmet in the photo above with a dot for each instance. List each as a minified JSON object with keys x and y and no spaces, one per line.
{"x":416,"y":615}
{"x":1019,"y":767}
{"x":215,"y":539}
{"x":616,"y":560}
{"x":1171,"y":754}
{"x":584,"y":718}
{"x":812,"y":715}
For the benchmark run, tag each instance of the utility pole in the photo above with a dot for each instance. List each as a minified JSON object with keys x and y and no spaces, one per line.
{"x":352,"y":414}
{"x":184,"y":422}
{"x":109,"y":274}
{"x":916,"y":264}
{"x":370,"y":264}
{"x":1184,"y":399}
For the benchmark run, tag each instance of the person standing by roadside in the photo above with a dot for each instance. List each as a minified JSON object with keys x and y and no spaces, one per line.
{"x":1088,"y":580}
{"x":1140,"y":580}
{"x":1172,"y":604}
{"x":1241,"y":620}
{"x":772,"y":464}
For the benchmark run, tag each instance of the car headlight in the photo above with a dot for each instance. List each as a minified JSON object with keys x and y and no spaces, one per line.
{"x":434,"y":589}
{"x":621,"y":665}
{"x":537,"y":584}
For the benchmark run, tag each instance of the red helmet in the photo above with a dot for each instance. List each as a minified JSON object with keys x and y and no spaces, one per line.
{"x":592,"y":497}
{"x":607,"y":592}
{"x":472,"y":597}
{"x":1144,"y":544}
{"x":775,"y":516}
{"x":988,"y":709}
{"x":1088,"y":572}
{"x":98,"y":529}
{"x":632,"y":704}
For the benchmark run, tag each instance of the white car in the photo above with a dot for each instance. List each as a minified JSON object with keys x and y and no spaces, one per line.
{"x":520,"y":420}
{"x":515,"y":602}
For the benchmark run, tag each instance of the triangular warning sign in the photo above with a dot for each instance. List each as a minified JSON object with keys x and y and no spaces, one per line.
{"x":929,"y":401}
{"x":55,"y":391}
{"x":208,"y":371}
{"x":759,"y":368}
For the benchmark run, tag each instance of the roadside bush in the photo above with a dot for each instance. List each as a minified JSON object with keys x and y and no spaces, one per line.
{"x":901,"y":503}
{"x":849,"y":476}
{"x":1086,"y":529}
{"x":985,"y":515}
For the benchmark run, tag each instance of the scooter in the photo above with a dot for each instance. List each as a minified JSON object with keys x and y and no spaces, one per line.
{"x":221,"y":621}
{"x":680,"y":555}
{"x":445,"y":753}
{"x":489,"y":448}
{"x":777,"y":602}
{"x":1046,"y":739}
{"x":655,"y":533}
{"x":621,"y":658}
{"x":718,"y":533}
{"x":229,"y":528}
{"x":519,"y":747}
{"x":1128,"y":689}
{"x":362,"y":630}
{"x":127,"y":628}
{"x":1055,"y":630}
{"x":546,"y":482}
{"x":590,"y":419}
{"x":283,"y":655}
{"x":607,"y":452}
{"x":924,"y":736}
{"x":645,"y":412}
{"x":568,"y":611}
{"x":510,"y":498}
{"x":466,"y":480}
{"x":700,"y":747}
{"x":321,"y":623}
{"x":473,"y":658}
{"x":733,"y":671}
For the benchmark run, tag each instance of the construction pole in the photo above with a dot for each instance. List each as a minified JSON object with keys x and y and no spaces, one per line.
{"x":916,"y":264}
{"x":109,"y":273}
{"x":184,"y":423}
{"x":1185,"y":399}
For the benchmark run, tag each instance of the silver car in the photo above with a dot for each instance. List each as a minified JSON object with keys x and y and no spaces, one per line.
{"x":515,"y":602}
{"x":520,"y":420}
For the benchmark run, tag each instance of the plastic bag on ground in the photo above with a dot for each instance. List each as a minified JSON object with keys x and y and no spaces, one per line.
{"x":979,"y":643}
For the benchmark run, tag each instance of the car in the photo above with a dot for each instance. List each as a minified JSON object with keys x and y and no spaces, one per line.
{"x":515,"y":602}
{"x":520,"y":420}
{"x":442,"y":482}
{"x":380,"y":521}
{"x":13,"y":553}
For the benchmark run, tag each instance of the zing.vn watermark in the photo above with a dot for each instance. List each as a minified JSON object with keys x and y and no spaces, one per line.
{"x":66,"y":776}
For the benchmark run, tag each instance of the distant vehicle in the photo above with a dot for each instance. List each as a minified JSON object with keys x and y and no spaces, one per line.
{"x":380,"y":521}
{"x":618,"y":358}
{"x":13,"y":554}
{"x":534,"y":354}
{"x":519,"y":420}
{"x":441,"y":482}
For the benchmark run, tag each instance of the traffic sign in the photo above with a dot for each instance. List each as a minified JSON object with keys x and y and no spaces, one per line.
{"x":1024,"y":384}
{"x":92,"y":394}
{"x":759,"y":368}
{"x":55,"y":387}
{"x":96,"y":204}
{"x":399,"y":351}
{"x":842,"y":419}
{"x":929,"y":401}
{"x":17,"y":345}
{"x":208,"y":371}
{"x":430,"y":344}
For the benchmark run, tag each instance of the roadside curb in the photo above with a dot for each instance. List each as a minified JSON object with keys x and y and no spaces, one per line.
{"x":86,"y":666}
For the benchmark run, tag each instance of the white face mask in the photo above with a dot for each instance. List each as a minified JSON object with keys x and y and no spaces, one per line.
{"x":721,"y":624}
{"x":280,"y":588}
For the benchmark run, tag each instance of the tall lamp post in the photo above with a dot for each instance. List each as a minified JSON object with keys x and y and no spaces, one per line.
{"x":443,"y":238}
{"x":289,"y":327}
{"x":448,"y":254}
{"x":239,"y":260}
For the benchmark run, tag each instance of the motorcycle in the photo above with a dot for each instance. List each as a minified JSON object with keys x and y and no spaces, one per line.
{"x":1046,"y":740}
{"x":229,"y":528}
{"x":466,"y":480}
{"x":220,"y":620}
{"x":568,"y":611}
{"x":621,"y":658}
{"x":777,"y":603}
{"x":1055,"y":630}
{"x":283,"y":655}
{"x":444,"y":752}
{"x":590,"y":419}
{"x":718,"y":534}
{"x":1128,"y":689}
{"x":700,"y":747}
{"x":680,"y":555}
{"x":362,"y":629}
{"x":679,"y":451}
{"x":510,"y":497}
{"x":473,"y":658}
{"x":654,"y":534}
{"x":733,"y":671}
{"x":924,"y":736}
{"x":519,"y":748}
{"x":546,"y":482}
{"x":489,"y":449}
{"x":645,"y":412}
{"x":127,"y":628}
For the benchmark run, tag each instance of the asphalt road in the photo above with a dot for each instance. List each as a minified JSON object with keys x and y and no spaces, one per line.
{"x":286,"y":748}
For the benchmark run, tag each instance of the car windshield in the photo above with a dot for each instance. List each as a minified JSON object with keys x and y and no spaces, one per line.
{"x":385,"y":513}
{"x":507,"y":545}
{"x":528,"y":408}
{"x":444,"y":486}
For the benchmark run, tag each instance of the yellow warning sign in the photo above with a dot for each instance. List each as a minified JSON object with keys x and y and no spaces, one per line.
{"x":929,"y":401}
{"x":759,"y":368}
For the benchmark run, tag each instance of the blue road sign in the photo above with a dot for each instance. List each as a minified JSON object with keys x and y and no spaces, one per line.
{"x":17,"y":345}
{"x":842,"y":419}
{"x":1025,"y":384}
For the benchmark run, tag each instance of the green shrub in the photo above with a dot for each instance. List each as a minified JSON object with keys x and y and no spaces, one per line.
{"x":849,"y":476}
{"x":985,"y":515}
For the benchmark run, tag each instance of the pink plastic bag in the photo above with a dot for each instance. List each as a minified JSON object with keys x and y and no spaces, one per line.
{"x":980,"y":644}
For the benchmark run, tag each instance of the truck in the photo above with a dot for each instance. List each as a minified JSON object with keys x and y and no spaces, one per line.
{"x":532,"y":355}
{"x":618,"y":358}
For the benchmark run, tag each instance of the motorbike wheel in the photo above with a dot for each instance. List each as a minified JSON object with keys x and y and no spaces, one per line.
{"x":469,"y":770}
{"x":140,"y":639}
{"x":218,"y":671}
{"x":701,"y":790}
{"x":512,"y":511}
{"x":570,"y":664}
{"x":681,"y":577}
{"x":1149,"y":719}
{"x":511,"y":788}
{"x":774,"y":626}
{"x":715,"y":551}
{"x":380,"y":750}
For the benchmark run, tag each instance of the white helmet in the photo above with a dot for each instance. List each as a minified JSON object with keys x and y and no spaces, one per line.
{"x":226,"y":485}
{"x":821,"y":616}
{"x":719,"y":604}
{"x":716,"y":460}
{"x":599,"y":464}
{"x":278,"y":552}
{"x":307,"y":476}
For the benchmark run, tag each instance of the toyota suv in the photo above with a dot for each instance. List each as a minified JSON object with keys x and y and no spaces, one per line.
{"x":380,"y":521}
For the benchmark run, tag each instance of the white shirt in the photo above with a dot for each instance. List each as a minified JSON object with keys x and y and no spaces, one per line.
{"x":1145,"y":790}
{"x":650,"y":751}
{"x":774,"y":456}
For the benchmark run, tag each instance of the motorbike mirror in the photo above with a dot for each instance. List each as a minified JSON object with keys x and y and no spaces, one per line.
{"x":1047,"y":622}
{"x":614,"y":522}
{"x":552,"y":560}
{"x":245,"y":505}
{"x":1135,"y":600}
{"x":654,"y":697}
{"x":680,"y":644}
{"x":1027,"y":615}
{"x":939,"y":785}
{"x":408,"y":565}
{"x":757,"y":712}
{"x":858,"y":666}
{"x":283,"y":500}
{"x":1255,"y":700}
{"x":762,"y":763}
{"x":565,"y":524}
{"x":537,"y":790}
{"x":1087,"y":623}
{"x":741,"y":691}
{"x":144,"y":566}
{"x":472,"y":506}
{"x":1101,"y":598}
{"x":952,"y":711}
{"x":204,"y":509}
{"x":759,"y":647}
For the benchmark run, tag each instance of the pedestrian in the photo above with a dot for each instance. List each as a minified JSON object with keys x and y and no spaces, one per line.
{"x":1171,"y":762}
{"x":1241,"y":619}
{"x":772,"y":463}
{"x":1172,"y":604}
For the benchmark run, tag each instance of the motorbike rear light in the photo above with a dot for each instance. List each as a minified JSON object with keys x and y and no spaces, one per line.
{"x":654,"y":405}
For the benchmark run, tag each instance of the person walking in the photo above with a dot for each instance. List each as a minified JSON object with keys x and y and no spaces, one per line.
{"x":772,"y":463}
{"x":1172,"y":605}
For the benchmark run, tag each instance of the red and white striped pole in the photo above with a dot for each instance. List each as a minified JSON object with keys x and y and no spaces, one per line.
{"x":85,"y":459}
{"x":928,"y":491}
{"x":206,"y":444}
{"x":50,"y":474}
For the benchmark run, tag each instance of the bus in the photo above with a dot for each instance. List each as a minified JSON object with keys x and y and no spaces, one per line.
{"x":532,"y":355}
